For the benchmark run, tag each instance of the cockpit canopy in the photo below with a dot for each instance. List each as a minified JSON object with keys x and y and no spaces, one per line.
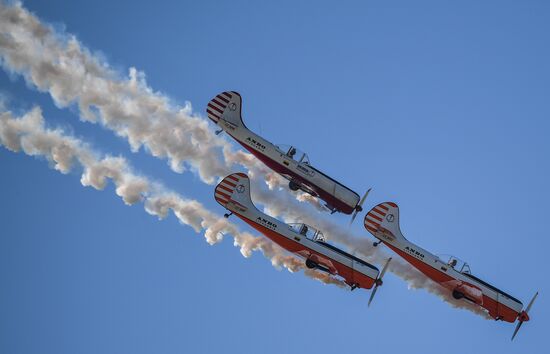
{"x":307,"y":231}
{"x":294,"y":153}
{"x":456,"y":263}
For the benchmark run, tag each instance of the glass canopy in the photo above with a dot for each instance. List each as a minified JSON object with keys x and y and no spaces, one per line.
{"x":294,"y":153}
{"x":456,"y":263}
{"x":307,"y":231}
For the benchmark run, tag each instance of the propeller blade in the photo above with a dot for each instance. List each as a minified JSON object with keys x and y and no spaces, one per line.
{"x":526,"y":311}
{"x":364,"y":197}
{"x":379,"y":280}
{"x":385,"y":268}
{"x":517,"y":329}
{"x":353,"y":217}
{"x":531,"y":302}
{"x":360,"y":206}
{"x":372,"y":294}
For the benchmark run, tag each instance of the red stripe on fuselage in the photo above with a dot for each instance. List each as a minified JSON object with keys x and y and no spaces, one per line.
{"x":495,"y":309}
{"x":279,"y":168}
{"x":351,"y":276}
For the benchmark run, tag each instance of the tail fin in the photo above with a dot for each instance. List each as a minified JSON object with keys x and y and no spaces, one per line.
{"x":383,"y":221}
{"x":226,"y":106}
{"x":234,"y":190}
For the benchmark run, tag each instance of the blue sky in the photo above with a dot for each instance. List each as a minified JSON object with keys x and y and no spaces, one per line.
{"x":441,"y":107}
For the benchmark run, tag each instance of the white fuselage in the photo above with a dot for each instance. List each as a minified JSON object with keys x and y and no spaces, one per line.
{"x":288,"y":238}
{"x":442,"y":272}
{"x":309,"y":179}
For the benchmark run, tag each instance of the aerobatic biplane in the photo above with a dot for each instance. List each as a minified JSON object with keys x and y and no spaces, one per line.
{"x":382,"y":222}
{"x":288,"y":161}
{"x":233,"y":193}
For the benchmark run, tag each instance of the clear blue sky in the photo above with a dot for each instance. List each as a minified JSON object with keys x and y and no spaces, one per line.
{"x":441,"y":106}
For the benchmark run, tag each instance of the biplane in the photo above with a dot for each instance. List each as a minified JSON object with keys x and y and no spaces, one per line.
{"x":288,"y":161}
{"x":306,"y":242}
{"x":382,"y":222}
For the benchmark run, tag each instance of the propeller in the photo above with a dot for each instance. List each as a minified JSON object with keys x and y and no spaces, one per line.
{"x":359,"y":206}
{"x":379,"y":280}
{"x":524,"y":314}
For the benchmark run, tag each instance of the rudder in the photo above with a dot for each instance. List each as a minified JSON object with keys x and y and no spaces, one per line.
{"x":383,"y":221}
{"x":234,"y":189}
{"x":226,"y":106}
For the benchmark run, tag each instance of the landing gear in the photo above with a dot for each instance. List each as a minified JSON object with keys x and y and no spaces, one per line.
{"x":293,"y":186}
{"x":311,"y":264}
{"x":359,"y":208}
{"x":354,"y":286}
{"x":227,"y":215}
{"x":457,"y":294}
{"x":376,"y":243}
{"x":218,"y":132}
{"x":378,"y":282}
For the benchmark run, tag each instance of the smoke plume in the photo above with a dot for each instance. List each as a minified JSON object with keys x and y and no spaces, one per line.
{"x":57,"y":63}
{"x":29,"y":135}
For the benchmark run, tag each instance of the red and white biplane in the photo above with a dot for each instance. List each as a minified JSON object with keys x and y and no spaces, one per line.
{"x":233,"y":193}
{"x":288,"y":161}
{"x":382,"y":222}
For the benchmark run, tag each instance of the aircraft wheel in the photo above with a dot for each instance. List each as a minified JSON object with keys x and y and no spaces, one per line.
{"x":457,"y":294}
{"x":310,"y":264}
{"x":293,"y":186}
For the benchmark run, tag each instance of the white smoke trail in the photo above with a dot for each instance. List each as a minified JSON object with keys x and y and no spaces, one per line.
{"x":58,"y":64}
{"x":29,"y":135}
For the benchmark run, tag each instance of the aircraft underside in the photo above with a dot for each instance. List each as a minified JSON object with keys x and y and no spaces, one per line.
{"x":353,"y":278}
{"x":333,"y":203}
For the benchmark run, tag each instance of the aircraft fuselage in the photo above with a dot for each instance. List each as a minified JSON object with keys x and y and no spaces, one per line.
{"x":304,"y":176}
{"x":355,"y":272}
{"x":380,"y":223}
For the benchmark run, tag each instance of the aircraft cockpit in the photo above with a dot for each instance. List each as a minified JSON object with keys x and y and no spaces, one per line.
{"x":294,"y":153}
{"x":307,"y":231}
{"x":456,"y":263}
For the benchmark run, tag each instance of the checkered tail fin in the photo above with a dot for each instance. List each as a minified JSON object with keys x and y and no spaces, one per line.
{"x":234,"y":190}
{"x":226,"y":106}
{"x":383,"y":222}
